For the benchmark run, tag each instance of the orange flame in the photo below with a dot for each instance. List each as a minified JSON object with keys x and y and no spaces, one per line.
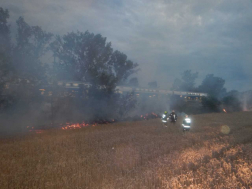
{"x":75,"y":126}
{"x":224,"y":110}
{"x":39,"y":131}
{"x":154,"y":114}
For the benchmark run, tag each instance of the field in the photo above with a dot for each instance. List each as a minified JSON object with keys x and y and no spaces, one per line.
{"x":216,"y":153}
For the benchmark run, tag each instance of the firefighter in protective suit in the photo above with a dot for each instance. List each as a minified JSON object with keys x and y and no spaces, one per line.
{"x":173,"y":117}
{"x":165,"y":117}
{"x":186,"y":125}
{"x":165,"y":113}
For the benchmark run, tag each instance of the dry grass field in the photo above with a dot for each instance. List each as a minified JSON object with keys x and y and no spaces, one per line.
{"x":216,"y":153}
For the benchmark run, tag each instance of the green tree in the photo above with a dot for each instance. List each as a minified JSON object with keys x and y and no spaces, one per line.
{"x":125,"y":104}
{"x":5,"y":71}
{"x":188,"y":80}
{"x":176,"y":85}
{"x":88,"y":57}
{"x":211,"y":103}
{"x":5,"y":39}
{"x":121,"y":67}
{"x":5,"y":78}
{"x":31,"y":44}
{"x":231,"y":101}
{"x":212,"y":85}
{"x":186,"y":83}
{"x":5,"y":42}
{"x":178,"y":104}
{"x":6,"y":68}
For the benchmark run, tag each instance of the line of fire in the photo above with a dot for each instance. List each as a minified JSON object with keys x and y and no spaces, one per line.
{"x":75,"y":89}
{"x":79,"y":89}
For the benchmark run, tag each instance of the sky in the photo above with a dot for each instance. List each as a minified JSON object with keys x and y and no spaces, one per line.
{"x":165,"y":37}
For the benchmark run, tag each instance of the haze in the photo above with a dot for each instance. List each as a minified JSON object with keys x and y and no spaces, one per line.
{"x":164,"y":37}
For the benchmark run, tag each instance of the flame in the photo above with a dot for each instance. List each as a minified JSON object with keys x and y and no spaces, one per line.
{"x":68,"y":125}
{"x":39,"y":131}
{"x":32,"y":129}
{"x":154,"y":114}
{"x":149,"y":116}
{"x":74,"y":126}
{"x":224,"y":110}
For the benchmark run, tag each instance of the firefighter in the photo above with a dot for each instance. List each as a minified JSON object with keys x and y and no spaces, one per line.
{"x":173,"y":117}
{"x":165,"y":117}
{"x":186,"y":123}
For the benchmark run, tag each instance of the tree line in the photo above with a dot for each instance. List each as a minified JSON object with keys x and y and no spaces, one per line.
{"x":35,"y":58}
{"x":218,"y":97}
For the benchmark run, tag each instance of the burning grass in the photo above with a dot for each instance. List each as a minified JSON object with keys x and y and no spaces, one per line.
{"x":69,"y":126}
{"x":141,"y":154}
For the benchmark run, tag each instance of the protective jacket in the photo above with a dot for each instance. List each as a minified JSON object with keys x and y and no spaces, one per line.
{"x":164,"y":117}
{"x":187,"y":121}
{"x":173,"y":116}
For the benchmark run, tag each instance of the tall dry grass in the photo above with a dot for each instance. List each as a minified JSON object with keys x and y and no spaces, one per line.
{"x":143,"y":154}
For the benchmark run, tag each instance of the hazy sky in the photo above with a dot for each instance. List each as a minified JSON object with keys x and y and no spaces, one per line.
{"x":163,"y":37}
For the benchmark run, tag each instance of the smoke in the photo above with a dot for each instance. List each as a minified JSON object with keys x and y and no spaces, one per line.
{"x":148,"y":103}
{"x":29,"y":92}
{"x":246,"y":101}
{"x":77,"y":56}
{"x":20,"y":119}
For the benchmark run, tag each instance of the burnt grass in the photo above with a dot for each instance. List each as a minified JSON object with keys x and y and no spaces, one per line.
{"x":216,"y":153}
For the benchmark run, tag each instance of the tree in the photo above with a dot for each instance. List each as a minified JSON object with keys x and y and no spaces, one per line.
{"x":231,"y":101}
{"x":88,"y":57}
{"x":5,"y":71}
{"x":213,"y":86}
{"x":186,"y":83}
{"x":178,"y":104}
{"x":32,"y":43}
{"x":211,"y":103}
{"x":5,"y":47}
{"x":5,"y":42}
{"x":126,"y":103}
{"x":5,"y":78}
{"x":176,"y":85}
{"x":247,"y":101}
{"x":121,"y":66}
{"x":188,"y":80}
{"x":152,"y":84}
{"x":133,"y":82}
{"x":5,"y":39}
{"x":6,"y":68}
